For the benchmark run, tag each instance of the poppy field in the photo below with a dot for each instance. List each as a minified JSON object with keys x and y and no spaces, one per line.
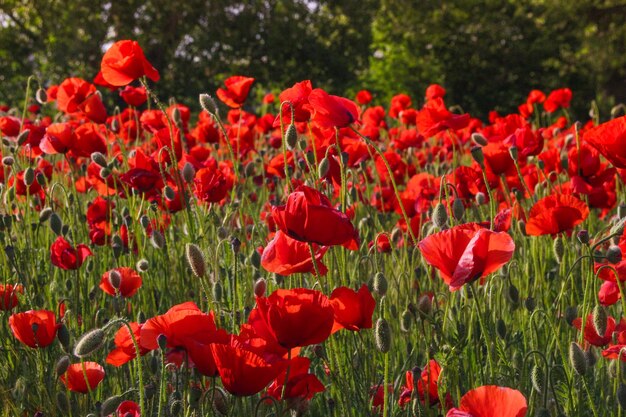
{"x":298,"y":253}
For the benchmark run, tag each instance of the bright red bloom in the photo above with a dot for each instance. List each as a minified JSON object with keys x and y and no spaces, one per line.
{"x":211,"y":185}
{"x":491,"y":401}
{"x":74,"y":378}
{"x":435,"y":117}
{"x":134,"y":96}
{"x":298,"y":96}
{"x":34,"y":328}
{"x":363,"y":97}
{"x":308,"y":216}
{"x":429,"y":377}
{"x":243,"y":370}
{"x":298,"y":317}
{"x":59,"y":138}
{"x":89,"y":139}
{"x":558,"y":99}
{"x":591,"y":336}
{"x":8,"y":296}
{"x":285,"y":256}
{"x":128,"y":409}
{"x":130,"y":283}
{"x":124,"y":347}
{"x":64,"y":256}
{"x":555,"y":214}
{"x":125,"y":62}
{"x":466,"y":252}
{"x":236,"y":91}
{"x":72,"y":92}
{"x":399,"y":102}
{"x":435,"y":91}
{"x":301,"y":384}
{"x":610,"y":140}
{"x":352,"y":310}
{"x":332,"y":111}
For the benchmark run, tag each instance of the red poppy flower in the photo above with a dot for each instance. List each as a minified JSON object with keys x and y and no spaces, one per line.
{"x":125,"y":62}
{"x":491,"y":401}
{"x":558,"y":99}
{"x":610,"y":140}
{"x":332,"y":111}
{"x":89,"y":139}
{"x":298,"y":97}
{"x":8,"y":296}
{"x":78,"y":375}
{"x":130,"y":283}
{"x":363,"y":97}
{"x":242,"y":369}
{"x":124,"y":347}
{"x":10,"y":126}
{"x":94,"y":109}
{"x":429,"y":377}
{"x":435,"y":117}
{"x":59,"y":138}
{"x":467,"y":252}
{"x":555,"y":214}
{"x":285,"y":256}
{"x":435,"y":91}
{"x":399,"y":102}
{"x":128,"y":409}
{"x":301,"y":384}
{"x":211,"y":185}
{"x":236,"y":91}
{"x":308,"y":216}
{"x":591,"y":336}
{"x":134,"y":96}
{"x":34,"y":328}
{"x":64,"y":256}
{"x":352,"y":310}
{"x":298,"y":317}
{"x":72,"y":92}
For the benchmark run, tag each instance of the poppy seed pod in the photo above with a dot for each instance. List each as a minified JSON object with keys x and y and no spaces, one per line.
{"x":577,"y":359}
{"x":89,"y":343}
{"x":600,"y":319}
{"x":196,"y":260}
{"x":291,"y":136}
{"x":208,"y":103}
{"x":382,"y":334}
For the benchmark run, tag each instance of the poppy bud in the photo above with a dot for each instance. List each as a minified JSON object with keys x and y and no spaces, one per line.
{"x":64,"y":336}
{"x":100,"y":159}
{"x":406,"y":320}
{"x":621,"y":395}
{"x":458,"y":209}
{"x":222,"y":233}
{"x":323,"y":168}
{"x":382,"y":335}
{"x":577,"y":359}
{"x":380,"y":284}
{"x":537,"y":379}
{"x":570,"y":314}
{"x":479,"y":139}
{"x":513,"y":152}
{"x":162,"y":341}
{"x":440,"y":216}
{"x":157,"y":239}
{"x":583,"y":237}
{"x":41,"y":96}
{"x":45,"y":214}
{"x":142,"y":265}
{"x":178,"y":120}
{"x":89,"y":343}
{"x":8,"y":161}
{"x":105,"y":173}
{"x":614,"y":254}
{"x":219,"y":401}
{"x":599,"y":319}
{"x":169,"y":193}
{"x":235,"y":244}
{"x":501,"y":328}
{"x":291,"y":136}
{"x":559,"y":249}
{"x":479,"y":157}
{"x":188,"y":173}
{"x":196,"y":260}
{"x":255,"y":259}
{"x":591,"y":358}
{"x":513,"y":294}
{"x":259,"y":287}
{"x":424,"y":305}
{"x":176,"y":407}
{"x":62,"y":403}
{"x":23,"y":136}
{"x":62,"y":364}
{"x":481,"y":198}
{"x":109,"y":405}
{"x":208,"y":104}
{"x":530,"y":304}
{"x":29,"y":176}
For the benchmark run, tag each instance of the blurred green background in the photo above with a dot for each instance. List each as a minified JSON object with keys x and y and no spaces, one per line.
{"x":488,"y":54}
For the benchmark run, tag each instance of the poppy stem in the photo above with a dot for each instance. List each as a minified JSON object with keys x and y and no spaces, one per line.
{"x":284,"y":390}
{"x":483,"y":329}
{"x":317,"y":271}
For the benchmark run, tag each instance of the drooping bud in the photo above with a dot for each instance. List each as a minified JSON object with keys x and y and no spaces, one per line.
{"x":115,"y":279}
{"x":23,"y":136}
{"x":577,"y":359}
{"x":188,"y":173}
{"x":406,"y":320}
{"x":89,"y":343}
{"x":424,"y":305}
{"x":99,"y":159}
{"x":458,"y":209}
{"x":29,"y":176}
{"x":513,"y":152}
{"x":513,"y":294}
{"x":599,"y":319}
{"x":259,"y":287}
{"x":530,"y":304}
{"x":169,"y":193}
{"x":440,"y":216}
{"x":291,"y":136}
{"x":109,"y":405}
{"x":8,"y":161}
{"x":157,"y":239}
{"x":537,"y":379}
{"x":479,"y":139}
{"x":380,"y":284}
{"x":208,"y":103}
{"x":501,"y":328}
{"x":382,"y":335}
{"x":142,"y":265}
{"x":162,"y":341}
{"x":61,"y":366}
{"x":64,"y":336}
{"x":323,"y":168}
{"x":481,"y":198}
{"x":559,"y":249}
{"x":570,"y":314}
{"x":583,"y":237}
{"x":220,"y":404}
{"x":614,"y":254}
{"x":45,"y":214}
{"x":41,"y":96}
{"x":479,"y":157}
{"x":255,"y":259}
{"x":196,"y":260}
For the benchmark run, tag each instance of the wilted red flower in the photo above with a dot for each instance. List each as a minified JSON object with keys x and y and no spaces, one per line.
{"x":285,"y":256}
{"x":558,"y":99}
{"x":301,"y":384}
{"x":134,"y":96}
{"x":243,"y":370}
{"x":236,"y":91}
{"x":555,"y":214}
{"x":610,"y":140}
{"x":8,"y":296}
{"x":429,"y":377}
{"x":79,"y":374}
{"x":352,"y":309}
{"x":125,"y":62}
{"x":34,"y":328}
{"x":332,"y":111}
{"x":298,"y":317}
{"x":130,"y":283}
{"x":466,"y":252}
{"x":124,"y":347}
{"x":64,"y":256}
{"x":363,"y":97}
{"x":491,"y":401}
{"x":308,"y":216}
